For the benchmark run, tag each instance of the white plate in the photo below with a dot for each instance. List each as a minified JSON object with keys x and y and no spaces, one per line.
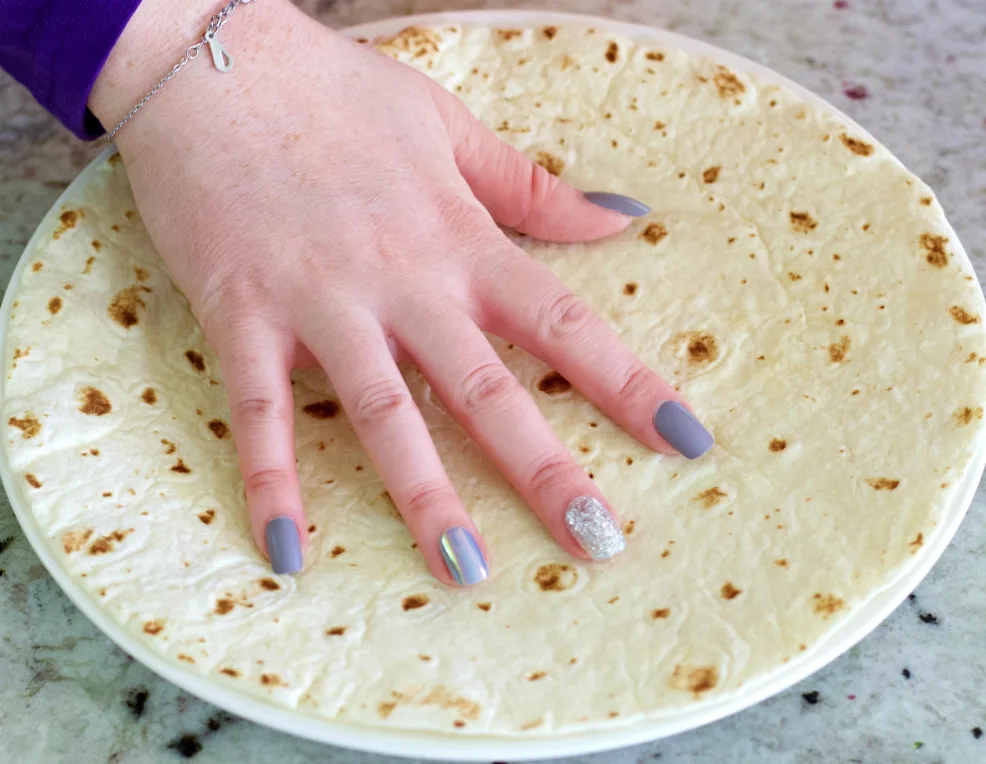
{"x":478,"y":748}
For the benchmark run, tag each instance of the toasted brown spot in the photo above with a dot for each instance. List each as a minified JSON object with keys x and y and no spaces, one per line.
{"x":727,"y":83}
{"x":336,"y":631}
{"x":89,"y":261}
{"x":612,"y":52}
{"x":667,"y":552}
{"x":802,"y":222}
{"x":781,"y":563}
{"x":729,"y":592}
{"x":37,"y":266}
{"x":550,"y":162}
{"x":654,"y":55}
{"x":67,"y":221}
{"x":337,"y":550}
{"x":508,"y":34}
{"x":130,"y":214}
{"x":94,"y":402}
{"x":415,"y":601}
{"x":149,"y":396}
{"x":195,"y":359}
{"x":555,"y":577}
{"x":794,"y":276}
{"x":229,"y":672}
{"x":140,"y":273}
{"x":170,"y":447}
{"x":962,"y":316}
{"x":702,"y":348}
{"x":73,"y":541}
{"x":628,"y":527}
{"x":106,"y":544}
{"x":711,"y":174}
{"x":826,"y":604}
{"x":115,"y":227}
{"x":272,"y":680}
{"x":630,"y":288}
{"x":660,"y":613}
{"x":32,"y":480}
{"x":185,"y":657}
{"x":856,"y":146}
{"x":550,"y":32}
{"x":458,"y":722}
{"x":322,"y":409}
{"x":776,"y":444}
{"x":554,"y":383}
{"x":840,"y":322}
{"x":965,"y":415}
{"x":153,"y":627}
{"x":386,"y":709}
{"x":29,"y":425}
{"x":219,"y":428}
{"x":207,"y":516}
{"x":125,"y":306}
{"x":917,"y":543}
{"x":532,"y":725}
{"x":269,"y":584}
{"x":54,"y":305}
{"x":180,"y":467}
{"x":838,"y":350}
{"x":224,"y":606}
{"x":653,"y":233}
{"x":882,"y":484}
{"x":536,"y":675}
{"x":694,"y":679}
{"x":934,"y":249}
{"x":709,"y":498}
{"x":926,"y":200}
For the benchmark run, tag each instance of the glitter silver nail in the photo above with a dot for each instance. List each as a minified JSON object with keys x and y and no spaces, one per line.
{"x":594,"y":528}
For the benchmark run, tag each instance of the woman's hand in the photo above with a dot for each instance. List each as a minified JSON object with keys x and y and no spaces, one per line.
{"x":323,"y":204}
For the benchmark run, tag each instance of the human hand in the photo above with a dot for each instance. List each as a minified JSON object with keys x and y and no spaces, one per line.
{"x":323,"y":205}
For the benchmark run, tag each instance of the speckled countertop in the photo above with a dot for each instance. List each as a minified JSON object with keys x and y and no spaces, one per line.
{"x":913,"y":73}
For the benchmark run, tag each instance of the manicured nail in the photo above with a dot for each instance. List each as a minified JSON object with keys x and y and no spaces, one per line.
{"x":618,"y":203}
{"x":283,"y":545}
{"x":594,"y":528}
{"x":463,"y":557}
{"x":683,"y":431}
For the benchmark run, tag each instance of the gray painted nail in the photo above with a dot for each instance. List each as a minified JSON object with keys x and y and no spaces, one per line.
{"x":683,"y":431}
{"x":463,"y":557}
{"x":283,"y":545}
{"x":594,"y":528}
{"x":618,"y":203}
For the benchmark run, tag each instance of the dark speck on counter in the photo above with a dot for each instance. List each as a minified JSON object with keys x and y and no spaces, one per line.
{"x":930,"y":618}
{"x":811,"y":698}
{"x":187,"y":746}
{"x":136,"y":701}
{"x":906,"y":674}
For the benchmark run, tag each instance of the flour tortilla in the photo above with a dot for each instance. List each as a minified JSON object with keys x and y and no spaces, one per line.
{"x":800,"y":287}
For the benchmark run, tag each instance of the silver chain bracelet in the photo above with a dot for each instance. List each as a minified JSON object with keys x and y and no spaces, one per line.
{"x":222,"y":60}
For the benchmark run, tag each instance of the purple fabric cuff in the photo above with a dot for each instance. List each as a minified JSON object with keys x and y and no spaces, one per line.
{"x":57,"y":48}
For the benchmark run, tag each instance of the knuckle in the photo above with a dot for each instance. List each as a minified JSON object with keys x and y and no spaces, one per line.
{"x":461,"y":218}
{"x":552,"y":472}
{"x":268,"y":480}
{"x":380,"y":401}
{"x":563,"y":317}
{"x":256,"y":408}
{"x":634,"y":384}
{"x":426,"y":496}
{"x":485,"y":386}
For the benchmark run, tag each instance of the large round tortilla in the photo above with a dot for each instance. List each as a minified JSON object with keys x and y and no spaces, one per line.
{"x":799,"y":285}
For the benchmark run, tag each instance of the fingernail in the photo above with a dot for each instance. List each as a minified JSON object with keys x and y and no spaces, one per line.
{"x":594,"y":528}
{"x":683,"y":431}
{"x":283,"y":545}
{"x":618,"y":203}
{"x":463,"y":557}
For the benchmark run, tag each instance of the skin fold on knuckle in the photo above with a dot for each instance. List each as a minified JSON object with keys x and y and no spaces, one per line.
{"x":562,"y":318}
{"x":551,"y":475}
{"x":426,"y":497}
{"x":380,"y":401}
{"x":634,"y":385}
{"x":487,"y":388}
{"x":265,"y":481}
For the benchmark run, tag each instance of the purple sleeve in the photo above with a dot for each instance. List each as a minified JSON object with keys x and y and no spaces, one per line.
{"x":56,"y":49}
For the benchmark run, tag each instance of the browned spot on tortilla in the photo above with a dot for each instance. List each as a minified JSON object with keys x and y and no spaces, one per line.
{"x":484,"y":606}
{"x":115,"y":159}
{"x":219,"y":428}
{"x":73,"y":541}
{"x":508,"y":34}
{"x":54,"y":305}
{"x":934,"y":249}
{"x":709,"y":498}
{"x":32,"y":480}
{"x":536,"y":675}
{"x":321,"y":409}
{"x":926,"y":200}
{"x":653,"y":233}
{"x":170,"y":447}
{"x":106,"y":544}
{"x":667,"y":552}
{"x":180,"y":467}
{"x":269,"y":584}
{"x":962,"y":316}
{"x":130,"y":214}
{"x":550,"y":162}
{"x":414,"y":601}
{"x":702,"y":348}
{"x":781,"y":563}
{"x":555,"y":577}
{"x":628,"y":527}
{"x":87,"y":269}
{"x":554,"y":383}
{"x":612,"y":52}
{"x":272,"y":680}
{"x":882,"y":484}
{"x":727,"y":83}
{"x":185,"y":657}
{"x":312,"y":528}
{"x":729,"y":592}
{"x":115,"y":227}
{"x":711,"y":174}
{"x":195,"y":359}
{"x":630,"y":288}
{"x":94,"y":402}
{"x":443,"y":698}
{"x":826,"y":604}
{"x":29,"y":425}
{"x":802,"y":222}
{"x":838,"y":350}
{"x":531,"y":725}
{"x":794,"y":276}
{"x":125,"y":306}
{"x":207,"y":516}
{"x":153,"y":627}
{"x":337,"y":550}
{"x":224,"y":606}
{"x":694,"y":679}
{"x":654,"y":55}
{"x":386,"y":709}
{"x":965,"y":415}
{"x":856,"y":146}
{"x":66,"y":222}
{"x":458,"y":723}
{"x":777,"y":444}
{"x":336,"y":631}
{"x":917,"y":543}
{"x":229,"y":672}
{"x":149,"y":396}
{"x":550,"y":32}
{"x":140,"y":273}
{"x":660,"y":613}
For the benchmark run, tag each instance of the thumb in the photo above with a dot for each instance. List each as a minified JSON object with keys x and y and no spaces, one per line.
{"x":522,"y":195}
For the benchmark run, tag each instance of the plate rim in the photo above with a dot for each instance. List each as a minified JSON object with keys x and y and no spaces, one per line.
{"x":409,"y":743}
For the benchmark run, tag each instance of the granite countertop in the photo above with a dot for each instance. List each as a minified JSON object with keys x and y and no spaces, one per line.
{"x":914,"y":74}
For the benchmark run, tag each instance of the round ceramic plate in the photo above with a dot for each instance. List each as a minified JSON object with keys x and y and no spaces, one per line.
{"x":480,"y":748}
